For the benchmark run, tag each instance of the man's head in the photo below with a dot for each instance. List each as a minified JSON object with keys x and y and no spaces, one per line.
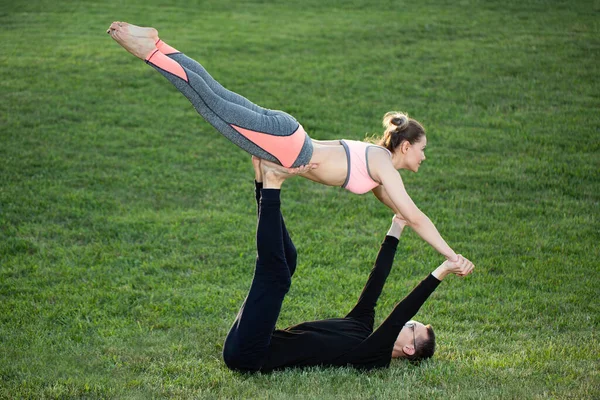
{"x":415,"y":342}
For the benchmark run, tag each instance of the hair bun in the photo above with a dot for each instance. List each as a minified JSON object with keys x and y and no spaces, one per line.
{"x":394,"y":119}
{"x":398,"y":128}
{"x":399,"y":121}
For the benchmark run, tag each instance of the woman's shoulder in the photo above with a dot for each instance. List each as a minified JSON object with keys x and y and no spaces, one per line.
{"x":379,"y":149}
{"x":328,"y":142}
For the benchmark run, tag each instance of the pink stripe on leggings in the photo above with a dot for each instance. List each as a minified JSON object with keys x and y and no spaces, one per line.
{"x":285,"y":148}
{"x":165,"y":48}
{"x":167,"y":64}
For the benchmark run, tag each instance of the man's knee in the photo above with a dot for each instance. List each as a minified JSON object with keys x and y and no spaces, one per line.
{"x":291,"y":256}
{"x":285,"y":283}
{"x":236,"y":361}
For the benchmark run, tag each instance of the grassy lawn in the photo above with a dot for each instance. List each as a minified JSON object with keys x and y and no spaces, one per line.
{"x":127,"y":222}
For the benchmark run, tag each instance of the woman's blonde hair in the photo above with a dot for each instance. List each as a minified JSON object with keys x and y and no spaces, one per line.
{"x":398,"y":128}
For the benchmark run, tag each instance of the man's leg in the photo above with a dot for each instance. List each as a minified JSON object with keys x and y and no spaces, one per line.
{"x":289,"y":248}
{"x":249,"y":338}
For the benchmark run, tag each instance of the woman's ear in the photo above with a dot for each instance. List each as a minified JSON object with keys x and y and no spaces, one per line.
{"x":404,"y":146}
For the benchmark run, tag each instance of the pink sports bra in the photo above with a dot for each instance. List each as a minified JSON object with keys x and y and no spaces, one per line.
{"x":359,"y":178}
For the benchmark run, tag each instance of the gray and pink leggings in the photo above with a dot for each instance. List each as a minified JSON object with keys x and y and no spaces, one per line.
{"x":268,"y":134}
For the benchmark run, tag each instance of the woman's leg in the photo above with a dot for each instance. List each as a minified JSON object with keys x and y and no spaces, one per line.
{"x":249,"y":338}
{"x":216,"y":87}
{"x":275,"y":137}
{"x":278,"y":138}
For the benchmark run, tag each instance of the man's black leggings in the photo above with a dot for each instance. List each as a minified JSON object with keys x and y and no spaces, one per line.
{"x":249,"y":338}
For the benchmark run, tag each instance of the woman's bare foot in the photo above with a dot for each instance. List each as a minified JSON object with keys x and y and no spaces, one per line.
{"x":137,"y":40}
{"x":134,"y":30}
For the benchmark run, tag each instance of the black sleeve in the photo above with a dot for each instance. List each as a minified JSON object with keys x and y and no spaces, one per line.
{"x":376,"y":350}
{"x":364,"y":310}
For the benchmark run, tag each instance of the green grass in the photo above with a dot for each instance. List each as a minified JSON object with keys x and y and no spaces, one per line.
{"x":127,"y":223}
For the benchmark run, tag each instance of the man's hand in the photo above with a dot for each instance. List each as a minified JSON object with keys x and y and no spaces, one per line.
{"x":398,"y":224}
{"x":462,"y":268}
{"x":399,"y":219}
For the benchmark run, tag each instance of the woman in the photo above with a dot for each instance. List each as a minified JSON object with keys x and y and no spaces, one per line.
{"x":277,"y":137}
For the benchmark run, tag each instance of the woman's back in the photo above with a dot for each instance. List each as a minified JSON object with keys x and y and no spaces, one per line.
{"x":345,"y":163}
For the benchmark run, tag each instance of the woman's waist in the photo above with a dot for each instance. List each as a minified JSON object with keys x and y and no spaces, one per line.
{"x":332,"y":164}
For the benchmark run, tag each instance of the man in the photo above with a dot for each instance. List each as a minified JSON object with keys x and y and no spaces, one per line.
{"x":253,"y":344}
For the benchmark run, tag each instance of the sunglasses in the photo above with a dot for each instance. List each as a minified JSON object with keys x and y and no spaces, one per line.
{"x":411,"y":325}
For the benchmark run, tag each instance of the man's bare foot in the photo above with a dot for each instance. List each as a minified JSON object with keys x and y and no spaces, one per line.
{"x":137,"y":40}
{"x":257,"y":170}
{"x":274,"y":174}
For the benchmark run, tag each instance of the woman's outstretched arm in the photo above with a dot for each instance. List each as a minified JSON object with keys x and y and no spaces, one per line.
{"x":393,"y":194}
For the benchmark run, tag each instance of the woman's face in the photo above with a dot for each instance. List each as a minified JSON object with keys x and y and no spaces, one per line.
{"x":415,"y":154}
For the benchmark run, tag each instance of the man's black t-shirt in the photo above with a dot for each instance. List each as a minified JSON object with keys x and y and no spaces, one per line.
{"x":350,"y":341}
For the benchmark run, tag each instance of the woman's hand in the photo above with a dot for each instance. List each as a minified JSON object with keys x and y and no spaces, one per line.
{"x":280,"y":169}
{"x":301,"y":169}
{"x":462,"y":268}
